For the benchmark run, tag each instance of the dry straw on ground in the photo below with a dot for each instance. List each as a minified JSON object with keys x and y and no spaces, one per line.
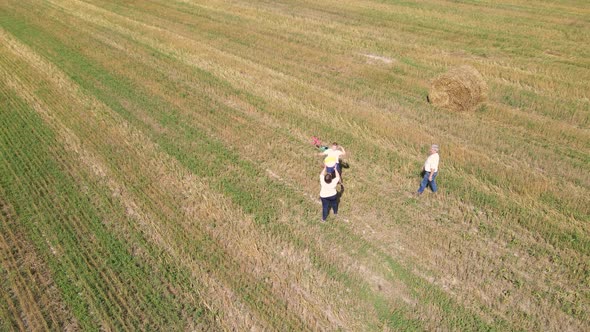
{"x":460,"y":89}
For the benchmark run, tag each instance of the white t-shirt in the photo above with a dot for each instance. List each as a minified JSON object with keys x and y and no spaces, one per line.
{"x":333,"y":153}
{"x":328,"y":189}
{"x":432,"y":162}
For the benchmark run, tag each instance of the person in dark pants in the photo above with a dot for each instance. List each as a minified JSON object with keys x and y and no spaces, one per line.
{"x":430,"y":170}
{"x":328,"y":192}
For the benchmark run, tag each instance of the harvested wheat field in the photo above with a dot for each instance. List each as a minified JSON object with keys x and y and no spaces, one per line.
{"x":156,"y":171}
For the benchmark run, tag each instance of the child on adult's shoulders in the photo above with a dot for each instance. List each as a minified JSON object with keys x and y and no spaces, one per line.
{"x":333,"y":156}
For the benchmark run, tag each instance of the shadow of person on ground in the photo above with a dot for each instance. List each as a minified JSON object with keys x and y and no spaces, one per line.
{"x":340,"y":192}
{"x":343,"y":165}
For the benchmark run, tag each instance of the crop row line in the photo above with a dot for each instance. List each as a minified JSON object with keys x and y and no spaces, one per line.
{"x":209,"y":256}
{"x":68,"y":230}
{"x":89,"y":259}
{"x":225,"y":187}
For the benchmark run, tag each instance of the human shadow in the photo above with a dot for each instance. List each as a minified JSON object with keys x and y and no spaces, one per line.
{"x":343,"y":165}
{"x":340,"y":192}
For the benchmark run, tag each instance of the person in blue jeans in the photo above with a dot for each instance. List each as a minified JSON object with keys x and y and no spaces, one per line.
{"x":328,"y":192}
{"x":430,"y":170}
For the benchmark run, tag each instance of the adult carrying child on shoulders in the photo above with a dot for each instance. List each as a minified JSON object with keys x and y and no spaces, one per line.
{"x":328,"y":192}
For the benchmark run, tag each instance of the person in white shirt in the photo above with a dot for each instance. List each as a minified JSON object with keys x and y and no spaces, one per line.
{"x":335,"y":151}
{"x":430,"y":170}
{"x":328,"y":192}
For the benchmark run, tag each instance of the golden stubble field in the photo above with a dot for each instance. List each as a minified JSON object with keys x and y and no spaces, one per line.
{"x":156,"y":171}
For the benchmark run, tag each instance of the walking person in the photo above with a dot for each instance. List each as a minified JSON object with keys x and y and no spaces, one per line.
{"x":328,"y":192}
{"x":430,"y":170}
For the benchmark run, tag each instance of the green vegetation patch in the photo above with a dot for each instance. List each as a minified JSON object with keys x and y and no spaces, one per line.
{"x":91,"y":268}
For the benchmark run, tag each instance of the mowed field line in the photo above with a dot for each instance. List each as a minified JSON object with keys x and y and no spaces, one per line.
{"x":118,"y":191}
{"x":137,"y":140}
{"x":230,"y":136}
{"x":111,"y":43}
{"x":238,"y":77}
{"x":307,"y":22}
{"x":60,"y":239}
{"x":260,"y":18}
{"x":514,"y":172}
{"x":70,"y":140}
{"x":364,"y":270}
{"x":517,"y":195}
{"x":86,"y":257}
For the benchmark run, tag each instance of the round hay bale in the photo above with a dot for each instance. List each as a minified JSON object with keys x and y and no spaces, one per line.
{"x":460,"y":89}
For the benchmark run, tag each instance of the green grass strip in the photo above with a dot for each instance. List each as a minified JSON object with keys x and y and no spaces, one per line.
{"x":50,"y":208}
